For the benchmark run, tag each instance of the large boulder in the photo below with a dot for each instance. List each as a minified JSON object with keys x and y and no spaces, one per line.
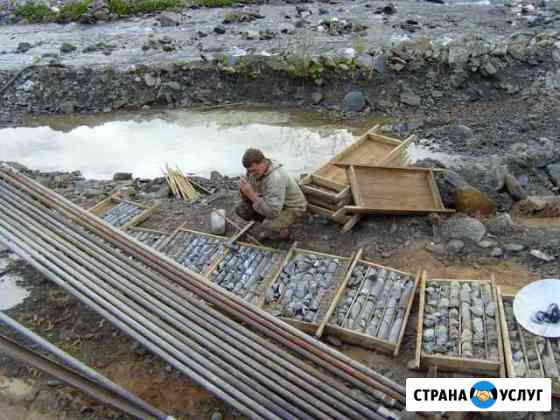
{"x":169,"y":19}
{"x":473,"y":202}
{"x":538,"y":206}
{"x":500,"y":224}
{"x":463,"y":228}
{"x":354,"y":101}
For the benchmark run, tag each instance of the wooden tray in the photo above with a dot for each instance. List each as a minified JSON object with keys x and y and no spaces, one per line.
{"x":308,"y":327}
{"x":503,"y":299}
{"x":270,"y":275}
{"x":138,"y":233}
{"x":371,"y":148}
{"x":385,"y":189}
{"x":108,"y":203}
{"x":425,"y":360}
{"x":359,"y":338}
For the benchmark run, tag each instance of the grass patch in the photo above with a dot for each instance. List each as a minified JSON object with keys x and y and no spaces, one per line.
{"x":73,"y":10}
{"x":123,"y":7}
{"x":216,"y":3}
{"x":34,"y":12}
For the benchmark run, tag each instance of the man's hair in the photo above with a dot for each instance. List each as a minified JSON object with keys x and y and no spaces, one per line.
{"x":252,"y":156}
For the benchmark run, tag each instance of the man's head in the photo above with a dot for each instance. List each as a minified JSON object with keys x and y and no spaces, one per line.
{"x":255,"y":162}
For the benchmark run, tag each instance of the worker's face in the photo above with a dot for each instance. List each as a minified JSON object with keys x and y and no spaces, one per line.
{"x":258,"y":169}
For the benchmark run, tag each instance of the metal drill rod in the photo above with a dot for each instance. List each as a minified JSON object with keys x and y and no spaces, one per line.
{"x":83,"y":369}
{"x":99,"y":392}
{"x":233,"y":327}
{"x":158,"y":327}
{"x":241,"y":340}
{"x":44,"y":267}
{"x":336,"y":363}
{"x":232,"y":356}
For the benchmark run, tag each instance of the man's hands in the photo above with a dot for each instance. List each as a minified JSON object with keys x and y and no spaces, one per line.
{"x":247,"y":190}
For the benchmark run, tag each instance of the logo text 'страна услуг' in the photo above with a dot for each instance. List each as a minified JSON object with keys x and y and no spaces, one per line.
{"x":472,"y":394}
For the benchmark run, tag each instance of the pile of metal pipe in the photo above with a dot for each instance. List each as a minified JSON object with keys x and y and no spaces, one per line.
{"x":158,"y":303}
{"x":76,"y":373}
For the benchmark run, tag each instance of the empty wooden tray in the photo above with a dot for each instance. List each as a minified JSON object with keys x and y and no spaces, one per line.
{"x":385,"y":189}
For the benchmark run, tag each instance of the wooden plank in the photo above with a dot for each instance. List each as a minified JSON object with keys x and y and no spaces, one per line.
{"x":394,"y":154}
{"x":407,"y":313}
{"x":242,"y":232}
{"x":287,"y":258}
{"x":102,"y":206}
{"x":329,"y":197}
{"x":449,"y":363}
{"x":318,"y":201}
{"x":435,"y":190}
{"x":327,"y":213}
{"x":391,"y":210}
{"x":356,"y":192}
{"x":386,"y":139}
{"x":360,"y":339}
{"x":351,"y":222}
{"x":327,"y":183}
{"x":498,"y":327}
{"x":339,"y":293}
{"x":420,"y":325}
{"x":505,"y":336}
{"x":134,"y":203}
{"x":306,"y":327}
{"x":141,"y":217}
{"x":238,"y":227}
{"x":173,"y":234}
{"x":376,"y":265}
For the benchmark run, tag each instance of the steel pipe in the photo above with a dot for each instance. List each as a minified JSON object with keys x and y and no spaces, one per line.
{"x":83,"y":369}
{"x":89,"y":247}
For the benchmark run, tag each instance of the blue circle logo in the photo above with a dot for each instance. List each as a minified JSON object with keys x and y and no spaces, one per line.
{"x":483,"y":394}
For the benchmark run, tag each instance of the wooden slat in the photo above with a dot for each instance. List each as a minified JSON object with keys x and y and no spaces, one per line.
{"x":498,"y":326}
{"x":241,"y":232}
{"x":420,"y":325}
{"x":505,"y":336}
{"x":377,"y":210}
{"x":141,"y":217}
{"x":356,"y":191}
{"x":351,"y":222}
{"x":360,"y":339}
{"x":133,"y":203}
{"x":407,"y":312}
{"x":394,"y":154}
{"x":101,"y":207}
{"x":327,"y":183}
{"x":287,"y":258}
{"x":339,"y":293}
{"x":327,"y":213}
{"x":141,"y":229}
{"x":449,"y":363}
{"x":435,"y":190}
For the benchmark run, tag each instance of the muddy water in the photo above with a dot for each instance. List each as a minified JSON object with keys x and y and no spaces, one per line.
{"x":10,"y":293}
{"x":198,"y":142}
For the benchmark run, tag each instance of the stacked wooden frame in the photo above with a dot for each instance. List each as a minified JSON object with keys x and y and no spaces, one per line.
{"x":328,"y":188}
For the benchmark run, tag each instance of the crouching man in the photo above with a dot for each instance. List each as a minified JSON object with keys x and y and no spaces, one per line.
{"x":269,"y":195}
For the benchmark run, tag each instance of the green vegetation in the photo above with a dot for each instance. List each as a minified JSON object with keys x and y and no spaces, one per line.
{"x":34,"y":12}
{"x":216,"y":3}
{"x":73,"y":10}
{"x":123,"y":7}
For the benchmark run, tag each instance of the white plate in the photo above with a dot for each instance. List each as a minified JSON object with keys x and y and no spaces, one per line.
{"x":534,"y":297}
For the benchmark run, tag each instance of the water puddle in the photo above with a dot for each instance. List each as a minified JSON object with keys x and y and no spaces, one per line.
{"x":10,"y":293}
{"x":198,"y":142}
